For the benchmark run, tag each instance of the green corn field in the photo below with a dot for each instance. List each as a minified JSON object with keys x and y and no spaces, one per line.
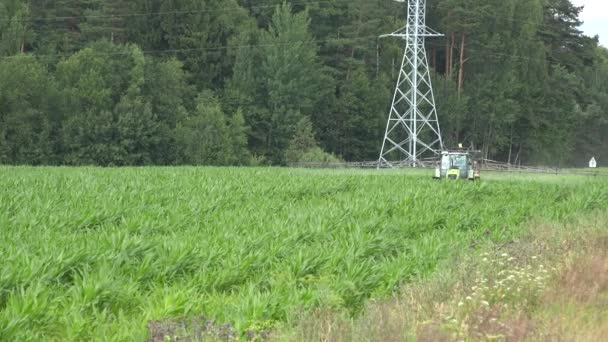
{"x":90,"y":252}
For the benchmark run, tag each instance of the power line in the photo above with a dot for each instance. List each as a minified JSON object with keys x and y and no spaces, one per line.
{"x":198,"y":50}
{"x":412,"y":128}
{"x":539,"y":25}
{"x":161,"y":13}
{"x":500,"y":54}
{"x":127,"y":15}
{"x":213,"y":49}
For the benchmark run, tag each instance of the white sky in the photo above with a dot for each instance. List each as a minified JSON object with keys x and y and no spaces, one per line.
{"x":595,"y":17}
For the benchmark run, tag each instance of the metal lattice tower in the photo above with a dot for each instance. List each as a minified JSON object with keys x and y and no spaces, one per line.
{"x":412,"y":130}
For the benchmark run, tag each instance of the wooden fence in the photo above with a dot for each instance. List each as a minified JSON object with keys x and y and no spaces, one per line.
{"x":486,"y":165}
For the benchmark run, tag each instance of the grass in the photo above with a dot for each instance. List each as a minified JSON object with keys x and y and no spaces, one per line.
{"x":549,"y":284}
{"x":599,"y":169}
{"x":90,"y":253}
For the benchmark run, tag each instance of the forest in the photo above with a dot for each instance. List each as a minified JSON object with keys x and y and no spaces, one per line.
{"x":268,"y":82}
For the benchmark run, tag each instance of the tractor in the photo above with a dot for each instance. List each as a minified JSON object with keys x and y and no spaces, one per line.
{"x":457,"y":165}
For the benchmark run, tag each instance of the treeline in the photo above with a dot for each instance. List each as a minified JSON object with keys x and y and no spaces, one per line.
{"x":241,"y":82}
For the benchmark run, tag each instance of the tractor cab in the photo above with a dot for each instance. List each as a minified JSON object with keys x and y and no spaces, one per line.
{"x":457,"y":165}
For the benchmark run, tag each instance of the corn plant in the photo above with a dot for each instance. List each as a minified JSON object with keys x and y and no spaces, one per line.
{"x":90,"y":252}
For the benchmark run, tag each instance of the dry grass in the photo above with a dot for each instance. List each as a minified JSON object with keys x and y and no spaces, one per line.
{"x":585,"y":280}
{"x":576,"y":308}
{"x":551,"y":285}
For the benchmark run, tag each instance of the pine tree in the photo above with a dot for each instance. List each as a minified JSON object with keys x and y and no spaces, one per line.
{"x":108,"y":19}
{"x":203,"y":137}
{"x":15,"y":31}
{"x":107,"y":120}
{"x":302,"y":142}
{"x":26,"y":90}
{"x":202,"y":29}
{"x":291,"y":88}
{"x":138,"y":130}
{"x":237,"y":140}
{"x":170,"y":96}
{"x":509,"y":78}
{"x":4,"y":148}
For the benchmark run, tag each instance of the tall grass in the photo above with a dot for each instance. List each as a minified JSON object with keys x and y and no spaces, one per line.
{"x":92,"y":252}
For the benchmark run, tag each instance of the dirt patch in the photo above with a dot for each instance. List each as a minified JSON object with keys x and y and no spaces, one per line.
{"x":190,"y":329}
{"x":199,"y":329}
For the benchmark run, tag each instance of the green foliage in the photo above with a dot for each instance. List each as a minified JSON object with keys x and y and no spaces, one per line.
{"x":558,"y":115}
{"x":171,"y":97}
{"x":359,"y":117}
{"x":237,"y":140}
{"x":302,"y":142}
{"x":207,"y":137}
{"x":285,"y":81}
{"x":101,"y":95}
{"x":289,"y":85}
{"x":204,"y":27}
{"x":105,"y":20}
{"x":253,"y":247}
{"x":516,"y":79}
{"x":14,"y":27}
{"x":303,"y":146}
{"x":316,"y":154}
{"x":137,"y":130}
{"x":27,"y":95}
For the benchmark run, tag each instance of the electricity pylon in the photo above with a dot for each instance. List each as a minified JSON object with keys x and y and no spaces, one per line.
{"x":412,"y":130}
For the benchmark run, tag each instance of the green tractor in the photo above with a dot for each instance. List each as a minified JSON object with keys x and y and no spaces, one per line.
{"x":457,"y":165}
